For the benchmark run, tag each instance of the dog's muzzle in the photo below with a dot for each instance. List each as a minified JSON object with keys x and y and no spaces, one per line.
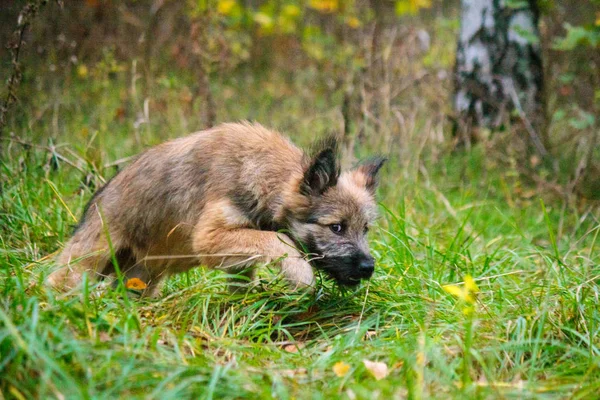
{"x":366,"y":266}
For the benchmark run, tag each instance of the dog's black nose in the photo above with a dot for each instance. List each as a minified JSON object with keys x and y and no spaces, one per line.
{"x":366,"y":267}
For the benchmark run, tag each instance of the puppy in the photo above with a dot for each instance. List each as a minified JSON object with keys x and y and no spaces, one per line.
{"x":230,"y":197}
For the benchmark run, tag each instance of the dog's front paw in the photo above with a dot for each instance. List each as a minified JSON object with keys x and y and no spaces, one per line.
{"x":64,"y":279}
{"x":298,"y":272}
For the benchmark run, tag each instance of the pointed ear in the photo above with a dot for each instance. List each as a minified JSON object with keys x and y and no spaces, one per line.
{"x":370,"y":169}
{"x":323,"y":171}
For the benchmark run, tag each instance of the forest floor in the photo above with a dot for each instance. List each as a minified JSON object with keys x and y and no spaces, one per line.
{"x":520,"y":319}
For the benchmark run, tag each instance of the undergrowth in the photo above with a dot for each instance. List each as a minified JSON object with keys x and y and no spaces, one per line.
{"x":533,"y":331}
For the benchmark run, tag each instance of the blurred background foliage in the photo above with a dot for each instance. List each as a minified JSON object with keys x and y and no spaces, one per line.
{"x":378,"y":72}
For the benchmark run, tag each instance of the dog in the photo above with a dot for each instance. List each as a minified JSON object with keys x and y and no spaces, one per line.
{"x":229,"y":197}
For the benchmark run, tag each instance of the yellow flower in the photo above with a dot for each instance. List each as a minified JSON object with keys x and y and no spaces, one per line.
{"x":341,"y":368}
{"x":470,"y":284}
{"x":466,"y":292}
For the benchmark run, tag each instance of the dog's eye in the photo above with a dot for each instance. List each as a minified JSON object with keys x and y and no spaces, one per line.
{"x":338,"y":229}
{"x":366,"y":229}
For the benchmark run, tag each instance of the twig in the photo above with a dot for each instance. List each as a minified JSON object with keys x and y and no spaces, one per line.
{"x":23,"y":21}
{"x":119,"y":162}
{"x":15,"y":76}
{"x":585,"y":164}
{"x":50,"y":149}
{"x":528,"y":126}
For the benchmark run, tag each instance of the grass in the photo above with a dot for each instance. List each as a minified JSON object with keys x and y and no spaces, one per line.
{"x":533,"y":333}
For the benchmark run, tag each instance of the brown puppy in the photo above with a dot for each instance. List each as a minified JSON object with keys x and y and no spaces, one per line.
{"x":228,"y":198}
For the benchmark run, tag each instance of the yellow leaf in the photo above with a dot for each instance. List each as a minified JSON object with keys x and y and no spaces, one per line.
{"x":378,"y":369}
{"x":324,"y":6}
{"x":135,"y":284}
{"x":422,"y":3}
{"x":263,"y":19}
{"x":341,"y":368}
{"x":353,"y":22}
{"x":82,"y":71}
{"x":315,"y":50}
{"x":225,"y":7}
{"x":15,"y":392}
{"x":291,"y":10}
{"x":411,"y":7}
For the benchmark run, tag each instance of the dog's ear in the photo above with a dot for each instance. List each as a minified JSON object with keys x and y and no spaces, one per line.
{"x":323,"y":170}
{"x":370,"y":169}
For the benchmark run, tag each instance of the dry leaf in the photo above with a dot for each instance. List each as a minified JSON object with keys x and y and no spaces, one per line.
{"x":293,"y":347}
{"x":341,"y":368}
{"x":293,"y":373}
{"x":308,"y":314}
{"x":398,"y":365}
{"x":370,"y":335}
{"x":103,"y":337}
{"x":135,"y":284}
{"x":534,"y":161}
{"x":378,"y":369}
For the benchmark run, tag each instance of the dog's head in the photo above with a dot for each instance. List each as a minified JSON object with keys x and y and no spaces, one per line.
{"x":338,"y":209}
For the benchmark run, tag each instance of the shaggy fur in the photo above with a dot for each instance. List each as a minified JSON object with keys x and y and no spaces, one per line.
{"x":228,"y":198}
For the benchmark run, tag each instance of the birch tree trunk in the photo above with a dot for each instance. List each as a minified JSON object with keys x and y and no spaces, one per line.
{"x":498,"y":71}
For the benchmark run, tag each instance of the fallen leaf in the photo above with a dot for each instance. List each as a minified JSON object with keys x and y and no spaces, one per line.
{"x":534,"y":161}
{"x":341,"y":368}
{"x":378,"y":369}
{"x":135,"y":284}
{"x":324,"y":6}
{"x":293,"y":347}
{"x":82,"y":71}
{"x":103,"y":337}
{"x":308,"y":314}
{"x":398,"y":365}
{"x":370,"y":335}
{"x":224,"y":7}
{"x":353,"y":22}
{"x":292,"y":373}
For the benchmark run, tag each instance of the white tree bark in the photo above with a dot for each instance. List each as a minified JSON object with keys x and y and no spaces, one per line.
{"x":498,"y":65}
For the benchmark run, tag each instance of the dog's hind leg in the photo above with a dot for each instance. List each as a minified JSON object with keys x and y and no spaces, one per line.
{"x":146,"y":271}
{"x":88,"y":252}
